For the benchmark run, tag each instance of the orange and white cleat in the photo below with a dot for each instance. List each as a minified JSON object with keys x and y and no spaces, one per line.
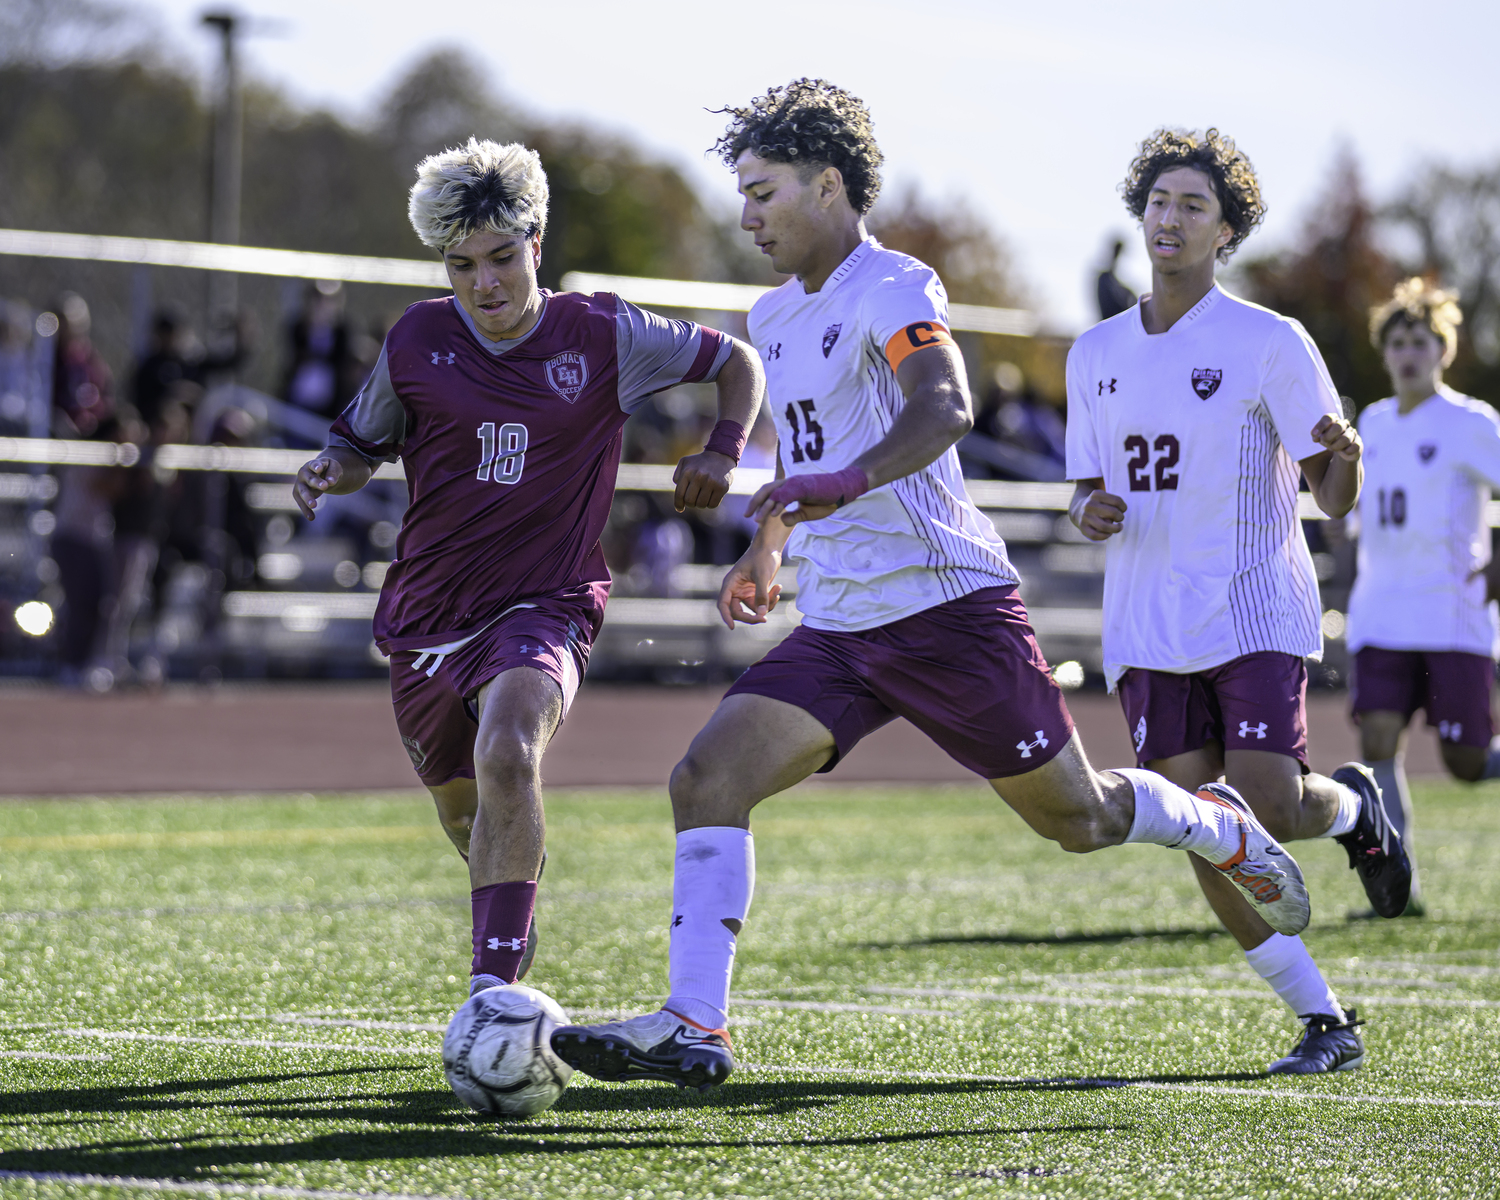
{"x":1264,"y":873}
{"x":659,"y":1045}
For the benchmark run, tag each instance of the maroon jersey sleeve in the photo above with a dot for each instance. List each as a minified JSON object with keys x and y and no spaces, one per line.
{"x":375,"y":422}
{"x":656,"y":353}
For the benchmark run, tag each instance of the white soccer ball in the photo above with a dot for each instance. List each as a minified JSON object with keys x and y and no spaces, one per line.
{"x":497,"y":1052}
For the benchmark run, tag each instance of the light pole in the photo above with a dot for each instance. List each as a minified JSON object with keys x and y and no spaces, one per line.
{"x":228,"y":143}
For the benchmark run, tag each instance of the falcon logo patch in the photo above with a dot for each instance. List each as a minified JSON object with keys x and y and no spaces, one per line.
{"x":1426,"y":451}
{"x":830,"y":336}
{"x":1206,"y":382}
{"x":566,"y":374}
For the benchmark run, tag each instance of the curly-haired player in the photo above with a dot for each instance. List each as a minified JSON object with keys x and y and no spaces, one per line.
{"x":908,"y":599}
{"x":1421,"y":630}
{"x":1204,"y":411}
{"x":506,"y":404}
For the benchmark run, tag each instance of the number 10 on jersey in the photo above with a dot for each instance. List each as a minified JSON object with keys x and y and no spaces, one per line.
{"x":505,"y":451}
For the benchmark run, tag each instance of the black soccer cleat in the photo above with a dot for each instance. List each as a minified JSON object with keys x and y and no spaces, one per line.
{"x":1374,"y":846}
{"x":1327,"y":1044}
{"x":659,"y":1045}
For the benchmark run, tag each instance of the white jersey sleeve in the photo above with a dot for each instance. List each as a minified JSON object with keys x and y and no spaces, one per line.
{"x":1297,"y":389}
{"x":905,"y":312}
{"x":1479,"y":452}
{"x":1085,"y":458}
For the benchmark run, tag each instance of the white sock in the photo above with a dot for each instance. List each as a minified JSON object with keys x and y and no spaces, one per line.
{"x":1167,"y":815}
{"x":713,"y":882}
{"x":1285,"y":964}
{"x":1492,"y":761}
{"x":1348,"y":813}
{"x":1390,"y":774}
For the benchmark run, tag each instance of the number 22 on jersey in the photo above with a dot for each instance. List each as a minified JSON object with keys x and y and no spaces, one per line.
{"x":504,"y":449}
{"x":1143,"y":472}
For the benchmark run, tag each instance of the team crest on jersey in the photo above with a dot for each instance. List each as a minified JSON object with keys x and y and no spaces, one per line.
{"x":830,"y":336}
{"x":1426,"y":451}
{"x":1206,"y":382}
{"x":566,"y":374}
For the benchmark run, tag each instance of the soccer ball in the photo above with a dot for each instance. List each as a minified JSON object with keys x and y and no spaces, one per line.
{"x":497,"y":1052}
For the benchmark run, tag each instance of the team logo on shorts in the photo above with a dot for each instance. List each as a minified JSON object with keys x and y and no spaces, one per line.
{"x":1426,"y":451}
{"x":1140,"y":735}
{"x":415,"y":752}
{"x":1206,"y":382}
{"x":830,"y":336}
{"x":566,"y":374}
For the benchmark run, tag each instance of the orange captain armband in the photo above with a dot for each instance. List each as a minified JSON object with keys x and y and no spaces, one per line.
{"x":916,"y":336}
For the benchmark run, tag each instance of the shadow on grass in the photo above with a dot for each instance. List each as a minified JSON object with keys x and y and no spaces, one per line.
{"x":432,"y":1123}
{"x":160,"y":1096}
{"x":1052,"y":939}
{"x":164,"y":1157}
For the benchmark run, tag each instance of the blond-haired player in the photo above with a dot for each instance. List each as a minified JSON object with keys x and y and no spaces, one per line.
{"x":1421,"y":628}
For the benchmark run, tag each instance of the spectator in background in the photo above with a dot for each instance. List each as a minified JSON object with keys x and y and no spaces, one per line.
{"x":173,"y":357}
{"x":15,"y":366}
{"x":83,"y":543}
{"x":1016,"y":433}
{"x":324,"y":372}
{"x":1114,"y":296}
{"x":82,"y":385}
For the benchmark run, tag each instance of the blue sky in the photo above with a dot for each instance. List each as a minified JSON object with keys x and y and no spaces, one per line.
{"x":1031,"y":112}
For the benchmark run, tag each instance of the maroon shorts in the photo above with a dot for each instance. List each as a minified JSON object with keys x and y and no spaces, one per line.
{"x":967,"y":673}
{"x":1255,"y":702}
{"x":1453,"y":686}
{"x":433,"y":693}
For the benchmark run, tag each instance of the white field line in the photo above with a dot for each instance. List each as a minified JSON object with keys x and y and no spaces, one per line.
{"x":204,"y":1188}
{"x":893,"y":1010}
{"x":996,"y":997}
{"x":1181,"y":992}
{"x":125,"y":1035}
{"x":402,"y":1026}
{"x":1311,"y":1095}
{"x":55,"y":1057}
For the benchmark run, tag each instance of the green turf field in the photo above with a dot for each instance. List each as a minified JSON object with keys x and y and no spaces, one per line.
{"x":930,"y":1002}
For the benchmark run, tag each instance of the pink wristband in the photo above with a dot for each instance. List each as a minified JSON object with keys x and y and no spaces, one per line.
{"x":837,"y":488}
{"x":728,"y":438}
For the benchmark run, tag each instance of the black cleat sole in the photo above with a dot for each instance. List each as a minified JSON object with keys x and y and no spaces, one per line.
{"x":613,"y":1061}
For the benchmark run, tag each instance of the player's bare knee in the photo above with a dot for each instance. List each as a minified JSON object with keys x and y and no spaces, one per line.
{"x":507,"y":758}
{"x":1465,"y":763}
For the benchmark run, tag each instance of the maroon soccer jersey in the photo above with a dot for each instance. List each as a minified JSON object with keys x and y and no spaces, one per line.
{"x":511,"y":450}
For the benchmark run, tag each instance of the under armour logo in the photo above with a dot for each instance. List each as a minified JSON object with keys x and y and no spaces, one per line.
{"x":1450,"y":731}
{"x":1246,"y":729}
{"x":512,"y":944}
{"x":437,"y":358}
{"x":773,"y":350}
{"x":1140,"y":734}
{"x":1110,"y":385}
{"x":1027,"y":747}
{"x":525,"y":649}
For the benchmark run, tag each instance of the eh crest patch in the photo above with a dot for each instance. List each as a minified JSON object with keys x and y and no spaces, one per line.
{"x":566,"y":374}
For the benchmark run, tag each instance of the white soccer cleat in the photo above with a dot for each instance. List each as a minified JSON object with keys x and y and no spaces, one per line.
{"x":659,"y":1045}
{"x":1265,"y":873}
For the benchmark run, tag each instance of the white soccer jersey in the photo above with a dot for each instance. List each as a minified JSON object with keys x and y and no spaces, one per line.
{"x":830,"y":361}
{"x":1422,"y":536}
{"x":1199,"y":429}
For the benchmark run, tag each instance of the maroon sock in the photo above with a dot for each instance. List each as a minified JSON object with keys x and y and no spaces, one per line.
{"x":502,"y":919}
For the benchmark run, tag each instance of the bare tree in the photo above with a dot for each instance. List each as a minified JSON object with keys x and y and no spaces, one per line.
{"x":1455,"y":215}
